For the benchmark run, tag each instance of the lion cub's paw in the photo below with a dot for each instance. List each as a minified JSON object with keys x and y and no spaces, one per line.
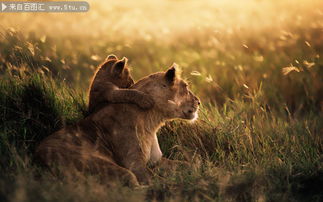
{"x":146,"y":102}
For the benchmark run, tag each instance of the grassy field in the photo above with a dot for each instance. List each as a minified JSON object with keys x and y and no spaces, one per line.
{"x":257,"y":67}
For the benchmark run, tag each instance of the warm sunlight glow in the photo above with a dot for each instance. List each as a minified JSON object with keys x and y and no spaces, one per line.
{"x":166,"y":18}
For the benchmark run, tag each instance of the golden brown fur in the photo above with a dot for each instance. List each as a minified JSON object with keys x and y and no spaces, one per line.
{"x":119,"y":140}
{"x":109,"y":86}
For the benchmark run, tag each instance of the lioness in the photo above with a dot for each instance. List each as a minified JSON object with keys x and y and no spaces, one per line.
{"x":109,"y":86}
{"x":119,"y":140}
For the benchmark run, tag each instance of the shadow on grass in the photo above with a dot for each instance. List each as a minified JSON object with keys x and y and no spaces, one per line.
{"x":32,"y":108}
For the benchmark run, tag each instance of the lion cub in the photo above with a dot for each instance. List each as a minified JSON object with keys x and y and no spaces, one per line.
{"x":109,"y":86}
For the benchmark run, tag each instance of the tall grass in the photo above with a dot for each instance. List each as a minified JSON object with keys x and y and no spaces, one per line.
{"x":240,"y":152}
{"x":32,"y":107}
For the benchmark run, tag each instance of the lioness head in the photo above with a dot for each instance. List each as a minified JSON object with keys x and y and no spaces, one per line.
{"x":117,"y":72}
{"x":171,"y":94}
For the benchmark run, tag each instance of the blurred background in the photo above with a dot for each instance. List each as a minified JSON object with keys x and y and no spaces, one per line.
{"x":228,"y":49}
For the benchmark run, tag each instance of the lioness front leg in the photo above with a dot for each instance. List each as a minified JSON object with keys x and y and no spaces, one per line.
{"x":131,"y":156}
{"x":142,"y":173}
{"x":135,"y":163}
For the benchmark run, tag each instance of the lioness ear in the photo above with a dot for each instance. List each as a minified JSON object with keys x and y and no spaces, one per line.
{"x":119,"y":66}
{"x":111,"y":57}
{"x":171,"y":74}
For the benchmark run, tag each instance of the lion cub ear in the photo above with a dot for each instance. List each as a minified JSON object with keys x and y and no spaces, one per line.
{"x":111,"y":57}
{"x":119,"y":66}
{"x":171,"y":73}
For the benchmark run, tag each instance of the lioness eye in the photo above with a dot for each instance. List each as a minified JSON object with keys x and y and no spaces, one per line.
{"x":164,"y":85}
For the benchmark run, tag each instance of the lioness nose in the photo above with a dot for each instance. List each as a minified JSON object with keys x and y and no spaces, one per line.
{"x":198,"y":101}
